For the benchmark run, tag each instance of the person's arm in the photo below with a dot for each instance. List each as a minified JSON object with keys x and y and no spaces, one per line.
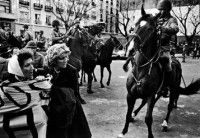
{"x":56,"y":38}
{"x":172,"y":27}
{"x":26,"y":36}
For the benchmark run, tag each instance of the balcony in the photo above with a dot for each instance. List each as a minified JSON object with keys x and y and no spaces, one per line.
{"x":59,"y":10}
{"x":37,"y":21}
{"x":48,"y":8}
{"x":24,"y":20}
{"x":23,"y":2}
{"x":37,"y":6}
{"x":48,"y":23}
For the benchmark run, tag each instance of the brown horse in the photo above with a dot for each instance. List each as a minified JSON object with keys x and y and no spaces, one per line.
{"x":147,"y":78}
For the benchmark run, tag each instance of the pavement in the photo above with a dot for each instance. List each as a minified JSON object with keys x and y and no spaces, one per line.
{"x":106,"y":108}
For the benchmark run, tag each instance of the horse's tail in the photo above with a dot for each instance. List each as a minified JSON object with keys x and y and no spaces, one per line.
{"x":192,"y":88}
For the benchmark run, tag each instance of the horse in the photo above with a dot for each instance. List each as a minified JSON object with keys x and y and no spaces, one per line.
{"x":82,"y":53}
{"x":104,"y":57}
{"x":148,"y":78}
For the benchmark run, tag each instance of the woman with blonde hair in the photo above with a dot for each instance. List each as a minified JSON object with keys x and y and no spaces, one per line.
{"x":66,"y":115}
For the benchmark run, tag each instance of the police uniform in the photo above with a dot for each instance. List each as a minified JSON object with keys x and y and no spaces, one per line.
{"x":169,"y":27}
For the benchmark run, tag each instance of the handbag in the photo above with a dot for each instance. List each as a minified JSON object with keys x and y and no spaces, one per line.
{"x":21,"y":108}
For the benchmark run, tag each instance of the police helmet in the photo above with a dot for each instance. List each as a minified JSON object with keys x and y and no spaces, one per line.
{"x":164,"y":5}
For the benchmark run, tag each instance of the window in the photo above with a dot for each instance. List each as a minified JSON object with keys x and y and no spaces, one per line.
{"x":48,"y":20}
{"x":37,"y":19}
{"x":24,"y":17}
{"x":5,"y":6}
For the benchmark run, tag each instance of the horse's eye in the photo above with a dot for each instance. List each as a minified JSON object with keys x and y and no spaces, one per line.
{"x":143,"y":23}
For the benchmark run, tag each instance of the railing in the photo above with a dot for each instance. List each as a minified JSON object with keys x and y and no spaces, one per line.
{"x":38,"y":22}
{"x":37,"y":6}
{"x":23,"y":2}
{"x":24,"y":20}
{"x":48,"y":8}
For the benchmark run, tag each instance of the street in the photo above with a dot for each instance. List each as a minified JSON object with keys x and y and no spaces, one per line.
{"x":106,"y":108}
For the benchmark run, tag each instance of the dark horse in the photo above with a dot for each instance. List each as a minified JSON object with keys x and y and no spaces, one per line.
{"x":104,"y":57}
{"x":147,"y":78}
{"x":82,"y":52}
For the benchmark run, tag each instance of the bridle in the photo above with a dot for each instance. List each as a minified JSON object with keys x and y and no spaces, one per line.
{"x":150,"y":61}
{"x":141,"y":44}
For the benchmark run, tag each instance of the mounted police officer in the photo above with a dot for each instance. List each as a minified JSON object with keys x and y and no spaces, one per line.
{"x":56,"y":36}
{"x":168,"y":26}
{"x":27,"y":36}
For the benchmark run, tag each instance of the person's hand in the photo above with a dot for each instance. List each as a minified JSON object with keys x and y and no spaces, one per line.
{"x":40,"y":78}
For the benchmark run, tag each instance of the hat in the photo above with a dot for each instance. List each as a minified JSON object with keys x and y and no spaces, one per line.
{"x":55,"y":23}
{"x":164,"y":5}
{"x":55,"y":51}
{"x":31,"y":44}
{"x":25,"y":26}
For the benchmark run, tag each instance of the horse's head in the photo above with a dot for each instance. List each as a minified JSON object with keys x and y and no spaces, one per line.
{"x":145,"y":34}
{"x":113,"y":42}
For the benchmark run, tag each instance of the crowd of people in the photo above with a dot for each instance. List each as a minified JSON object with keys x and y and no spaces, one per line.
{"x":66,"y":118}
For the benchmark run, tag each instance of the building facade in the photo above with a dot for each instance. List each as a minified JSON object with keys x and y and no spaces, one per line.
{"x":39,"y":14}
{"x":7,"y":14}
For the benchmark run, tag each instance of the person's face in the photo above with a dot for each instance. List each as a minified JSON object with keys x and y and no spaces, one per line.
{"x":57,"y":27}
{"x":15,"y":51}
{"x":28,"y":68}
{"x":62,"y":60}
{"x":163,"y":12}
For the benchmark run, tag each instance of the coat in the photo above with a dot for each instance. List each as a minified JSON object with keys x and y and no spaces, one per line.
{"x":169,"y":28}
{"x":66,"y":115}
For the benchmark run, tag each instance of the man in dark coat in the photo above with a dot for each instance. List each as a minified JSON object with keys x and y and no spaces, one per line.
{"x":168,"y":26}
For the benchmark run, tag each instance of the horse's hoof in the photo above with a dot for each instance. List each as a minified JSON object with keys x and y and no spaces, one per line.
{"x":150,"y":136}
{"x":108,"y":83}
{"x":102,"y":86}
{"x":164,"y":129}
{"x":131,"y":119}
{"x":82,"y":101}
{"x":120,"y":136}
{"x":90,"y":92}
{"x":164,"y":126}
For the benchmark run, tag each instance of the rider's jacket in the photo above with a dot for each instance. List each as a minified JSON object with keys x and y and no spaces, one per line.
{"x":169,"y":28}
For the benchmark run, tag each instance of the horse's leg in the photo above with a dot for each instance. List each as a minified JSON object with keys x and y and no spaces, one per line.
{"x":110,"y":73}
{"x":144,"y":101}
{"x":81,"y":81}
{"x":95,"y":79}
{"x":101,"y":80}
{"x":125,"y":66}
{"x":84,"y":80}
{"x":172,"y":97}
{"x":130,"y":102}
{"x":89,"y":88}
{"x":148,"y":117}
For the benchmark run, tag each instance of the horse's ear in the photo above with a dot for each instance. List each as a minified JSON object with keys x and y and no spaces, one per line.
{"x":142,"y":10}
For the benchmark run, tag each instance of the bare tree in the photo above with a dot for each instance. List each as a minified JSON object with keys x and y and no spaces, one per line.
{"x":71,"y":11}
{"x":124,"y":17}
{"x":187,"y":15}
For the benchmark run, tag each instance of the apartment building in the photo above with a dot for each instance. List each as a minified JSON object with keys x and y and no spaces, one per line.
{"x":39,"y":14}
{"x":7,"y":13}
